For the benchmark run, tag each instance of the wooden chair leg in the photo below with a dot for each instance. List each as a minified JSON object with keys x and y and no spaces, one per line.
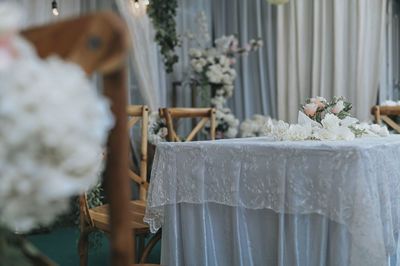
{"x":141,"y":245}
{"x":146,"y":252}
{"x":83,"y":247}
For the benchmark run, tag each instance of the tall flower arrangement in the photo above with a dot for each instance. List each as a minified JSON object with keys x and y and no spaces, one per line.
{"x":213,"y":69}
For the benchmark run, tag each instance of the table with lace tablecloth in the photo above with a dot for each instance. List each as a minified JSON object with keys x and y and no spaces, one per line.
{"x":256,"y":201}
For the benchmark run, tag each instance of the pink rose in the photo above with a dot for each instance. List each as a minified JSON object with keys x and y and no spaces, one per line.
{"x":260,"y":43}
{"x":310,"y":109}
{"x":320,"y":101}
{"x":232,"y":61}
{"x":248,"y":48}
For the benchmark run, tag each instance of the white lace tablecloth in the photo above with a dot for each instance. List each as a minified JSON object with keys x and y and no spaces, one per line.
{"x":355,"y":183}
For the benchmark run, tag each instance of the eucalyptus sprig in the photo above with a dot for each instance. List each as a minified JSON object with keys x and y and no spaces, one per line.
{"x":162,"y":14}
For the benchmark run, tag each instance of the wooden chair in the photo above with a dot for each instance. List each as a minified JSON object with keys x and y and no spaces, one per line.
{"x":100,"y":43}
{"x":98,"y":217}
{"x":205,"y":114}
{"x":383,"y":112}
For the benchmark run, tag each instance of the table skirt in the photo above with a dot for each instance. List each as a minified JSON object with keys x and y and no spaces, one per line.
{"x":214,"y":234}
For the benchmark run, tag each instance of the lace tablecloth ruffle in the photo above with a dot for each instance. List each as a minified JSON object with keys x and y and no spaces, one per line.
{"x":355,"y":183}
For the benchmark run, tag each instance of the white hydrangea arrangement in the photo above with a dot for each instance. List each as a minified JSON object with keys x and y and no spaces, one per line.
{"x":213,"y":68}
{"x":390,"y":103}
{"x":53,"y":128}
{"x":323,"y":120}
{"x":255,"y":127}
{"x":158,"y":130}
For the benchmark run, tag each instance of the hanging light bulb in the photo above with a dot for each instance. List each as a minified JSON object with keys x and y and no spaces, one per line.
{"x":137,"y":4}
{"x":54,"y":8}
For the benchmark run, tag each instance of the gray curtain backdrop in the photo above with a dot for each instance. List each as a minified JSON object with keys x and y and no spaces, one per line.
{"x":389,"y":88}
{"x":255,"y":86}
{"x":255,"y":89}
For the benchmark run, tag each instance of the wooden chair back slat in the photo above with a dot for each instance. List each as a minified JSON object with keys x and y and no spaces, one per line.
{"x":132,"y":122}
{"x":205,"y":113}
{"x":196,"y":129}
{"x":137,"y":112}
{"x":383,"y":112}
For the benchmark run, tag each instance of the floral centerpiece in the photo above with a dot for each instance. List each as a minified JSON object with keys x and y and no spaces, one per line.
{"x":320,"y":119}
{"x":213,"y":69}
{"x":53,"y":129}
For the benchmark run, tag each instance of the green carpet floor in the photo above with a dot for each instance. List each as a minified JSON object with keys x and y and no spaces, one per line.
{"x":60,"y":246}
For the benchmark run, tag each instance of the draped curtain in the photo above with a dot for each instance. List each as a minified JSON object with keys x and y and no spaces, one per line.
{"x":255,"y":86}
{"x":329,"y":48}
{"x":390,"y":79}
{"x":144,"y":54}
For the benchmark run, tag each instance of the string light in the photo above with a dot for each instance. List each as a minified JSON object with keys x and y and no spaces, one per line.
{"x":54,"y":8}
{"x":137,"y":4}
{"x":146,"y":2}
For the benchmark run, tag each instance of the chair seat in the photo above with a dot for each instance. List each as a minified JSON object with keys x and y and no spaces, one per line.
{"x":137,"y":209}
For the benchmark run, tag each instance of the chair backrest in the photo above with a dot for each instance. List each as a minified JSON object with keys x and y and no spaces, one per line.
{"x":206,"y":114}
{"x":135,"y":113}
{"x":383,"y":112}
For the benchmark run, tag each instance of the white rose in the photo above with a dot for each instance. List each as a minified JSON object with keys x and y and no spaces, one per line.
{"x":330,"y":121}
{"x":212,"y":77}
{"x":198,"y":68}
{"x":344,"y":133}
{"x":280,"y":130}
{"x":378,"y":130}
{"x":193,"y":63}
{"x":226,"y":79}
{"x":339,"y":106}
{"x":297,"y":132}
{"x":383,"y":132}
{"x":202,"y":62}
{"x":349,"y":121}
{"x":268,"y":126}
{"x":323,"y":134}
{"x":231,"y":132}
{"x":210,"y":59}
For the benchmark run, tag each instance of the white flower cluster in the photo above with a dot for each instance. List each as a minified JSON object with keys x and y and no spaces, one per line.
{"x":255,"y":127}
{"x":226,"y":123}
{"x":158,"y":130}
{"x":331,"y":128}
{"x":390,"y":103}
{"x":215,"y":66}
{"x":53,"y":128}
